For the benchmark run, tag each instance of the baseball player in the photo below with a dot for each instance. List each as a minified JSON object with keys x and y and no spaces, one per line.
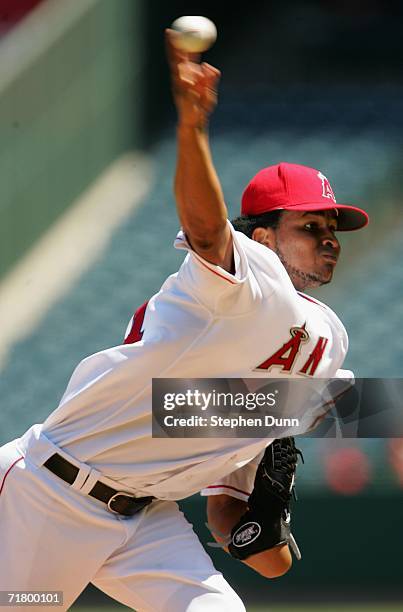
{"x":89,"y":495}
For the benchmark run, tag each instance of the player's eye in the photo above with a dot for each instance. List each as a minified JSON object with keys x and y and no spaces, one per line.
{"x":311,"y":226}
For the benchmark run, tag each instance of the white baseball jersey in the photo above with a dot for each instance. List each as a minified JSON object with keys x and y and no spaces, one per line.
{"x":203,"y":323}
{"x":238,"y":484}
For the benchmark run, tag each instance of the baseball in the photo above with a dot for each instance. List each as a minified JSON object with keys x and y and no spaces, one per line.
{"x":195,"y":34}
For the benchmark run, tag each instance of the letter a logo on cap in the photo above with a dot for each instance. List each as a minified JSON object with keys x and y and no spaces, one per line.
{"x":327,"y":191}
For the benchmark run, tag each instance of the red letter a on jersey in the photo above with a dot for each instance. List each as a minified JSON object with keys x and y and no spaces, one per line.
{"x":286,"y":355}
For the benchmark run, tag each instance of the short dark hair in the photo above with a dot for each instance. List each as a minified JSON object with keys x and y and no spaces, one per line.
{"x":247,"y":223}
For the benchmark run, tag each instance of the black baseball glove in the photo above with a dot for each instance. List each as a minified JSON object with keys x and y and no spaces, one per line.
{"x":266,"y":523}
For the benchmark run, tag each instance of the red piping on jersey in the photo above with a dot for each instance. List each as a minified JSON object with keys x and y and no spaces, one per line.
{"x":217,"y":273}
{"x":309,"y":299}
{"x":208,"y":268}
{"x":7,"y":473}
{"x":223,"y":486}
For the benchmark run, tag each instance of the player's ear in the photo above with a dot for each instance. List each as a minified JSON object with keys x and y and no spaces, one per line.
{"x":265,"y":235}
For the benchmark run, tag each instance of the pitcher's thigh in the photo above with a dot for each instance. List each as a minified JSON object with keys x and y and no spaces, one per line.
{"x":48,"y":539}
{"x":163,"y":567}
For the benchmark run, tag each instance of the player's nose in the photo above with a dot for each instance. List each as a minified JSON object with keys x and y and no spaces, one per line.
{"x":329,"y":240}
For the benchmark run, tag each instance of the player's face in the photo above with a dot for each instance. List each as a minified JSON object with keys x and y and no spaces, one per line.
{"x":307,"y":246}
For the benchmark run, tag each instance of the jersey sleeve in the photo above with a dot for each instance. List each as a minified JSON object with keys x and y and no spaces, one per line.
{"x":238,"y":484}
{"x":343,"y":381}
{"x":215,"y":288}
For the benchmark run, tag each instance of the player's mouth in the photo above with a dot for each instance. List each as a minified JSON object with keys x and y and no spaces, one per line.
{"x":330,"y":257}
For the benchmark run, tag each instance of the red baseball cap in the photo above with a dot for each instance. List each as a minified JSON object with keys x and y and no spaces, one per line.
{"x":294,"y":187}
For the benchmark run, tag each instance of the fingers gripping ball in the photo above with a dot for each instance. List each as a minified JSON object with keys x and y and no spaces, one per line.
{"x":194,"y":34}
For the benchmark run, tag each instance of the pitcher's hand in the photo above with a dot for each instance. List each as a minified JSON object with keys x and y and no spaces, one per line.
{"x":194,"y":85}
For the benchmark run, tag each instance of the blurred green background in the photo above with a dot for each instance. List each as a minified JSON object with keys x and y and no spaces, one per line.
{"x":318,"y":83}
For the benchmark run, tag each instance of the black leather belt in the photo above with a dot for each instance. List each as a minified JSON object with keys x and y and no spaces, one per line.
{"x":117,"y":502}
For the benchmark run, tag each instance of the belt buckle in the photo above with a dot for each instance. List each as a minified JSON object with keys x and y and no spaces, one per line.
{"x":112,"y":499}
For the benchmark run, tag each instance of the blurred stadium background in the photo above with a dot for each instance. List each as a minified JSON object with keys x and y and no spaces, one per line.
{"x":87,"y":220}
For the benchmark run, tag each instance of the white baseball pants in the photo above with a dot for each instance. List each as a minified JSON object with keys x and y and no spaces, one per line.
{"x":54,"y":537}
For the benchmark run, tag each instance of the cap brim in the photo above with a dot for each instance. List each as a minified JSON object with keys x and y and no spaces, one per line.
{"x":349,"y":218}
